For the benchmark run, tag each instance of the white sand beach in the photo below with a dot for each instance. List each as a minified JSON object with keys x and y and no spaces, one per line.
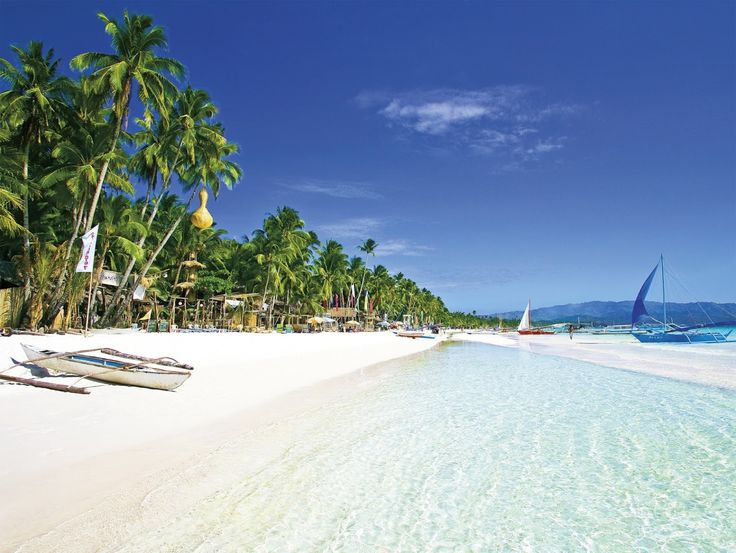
{"x":709,"y":364}
{"x":63,"y":453}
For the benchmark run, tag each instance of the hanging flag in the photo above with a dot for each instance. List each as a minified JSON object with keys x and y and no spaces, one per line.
{"x":365,"y":301}
{"x":352,"y":290}
{"x":89,"y":242}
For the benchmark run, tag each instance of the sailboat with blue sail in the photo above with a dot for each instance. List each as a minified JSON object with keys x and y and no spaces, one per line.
{"x":664,"y":332}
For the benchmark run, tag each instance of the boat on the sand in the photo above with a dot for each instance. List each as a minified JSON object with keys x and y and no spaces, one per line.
{"x":113,"y":366}
{"x":413,"y":334}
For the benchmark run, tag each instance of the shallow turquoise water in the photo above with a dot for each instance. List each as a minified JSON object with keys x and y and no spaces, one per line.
{"x":477,"y":448}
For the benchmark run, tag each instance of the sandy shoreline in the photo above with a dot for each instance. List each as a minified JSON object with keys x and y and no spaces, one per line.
{"x":707,"y":364}
{"x":72,"y":450}
{"x":68,"y":459}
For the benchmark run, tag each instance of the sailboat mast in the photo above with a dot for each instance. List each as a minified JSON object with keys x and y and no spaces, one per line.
{"x":664,"y":303}
{"x":530,"y":313}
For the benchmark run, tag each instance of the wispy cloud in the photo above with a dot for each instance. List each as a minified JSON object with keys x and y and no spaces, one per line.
{"x":511,"y":122}
{"x":355,"y":228}
{"x":399,"y":246}
{"x":334,"y":189}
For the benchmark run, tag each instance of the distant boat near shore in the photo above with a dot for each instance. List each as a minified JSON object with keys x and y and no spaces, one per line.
{"x":666,"y":332}
{"x":525,"y":325}
{"x":611,"y":329}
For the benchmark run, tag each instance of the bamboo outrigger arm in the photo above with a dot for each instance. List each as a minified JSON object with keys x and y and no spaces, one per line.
{"x":167,"y":361}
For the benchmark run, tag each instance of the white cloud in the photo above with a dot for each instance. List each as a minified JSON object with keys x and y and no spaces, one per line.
{"x":357,"y":227}
{"x":438,"y":111}
{"x":434,"y":117}
{"x":334,"y":189}
{"x":399,"y":246}
{"x":503,"y":121}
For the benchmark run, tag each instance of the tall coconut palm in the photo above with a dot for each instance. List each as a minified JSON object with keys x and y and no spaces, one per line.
{"x":280,"y":243}
{"x":79,"y":157}
{"x":29,"y":108}
{"x":133,"y":62}
{"x":368,"y":248}
{"x":210,"y":170}
{"x":169,"y":147}
{"x":331,"y":266}
{"x":120,"y":224}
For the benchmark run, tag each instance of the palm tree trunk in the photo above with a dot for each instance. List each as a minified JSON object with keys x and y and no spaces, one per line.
{"x":142,"y":240}
{"x":26,"y":225}
{"x":58,"y":297}
{"x":156,"y":252}
{"x":265,"y":289}
{"x":125,"y":99}
{"x":178,"y":274}
{"x":96,"y":277}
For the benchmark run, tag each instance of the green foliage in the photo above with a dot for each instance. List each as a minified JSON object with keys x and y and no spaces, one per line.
{"x":209,"y":285}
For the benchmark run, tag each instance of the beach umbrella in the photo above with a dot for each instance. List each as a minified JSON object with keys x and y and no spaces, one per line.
{"x":352,"y":323}
{"x":315,"y":320}
{"x":328,"y":320}
{"x":383,"y":323}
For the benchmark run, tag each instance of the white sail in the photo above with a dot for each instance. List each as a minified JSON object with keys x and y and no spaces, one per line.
{"x":525,"y":323}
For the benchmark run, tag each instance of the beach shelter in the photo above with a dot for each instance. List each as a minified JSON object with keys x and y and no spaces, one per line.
{"x":315,"y":320}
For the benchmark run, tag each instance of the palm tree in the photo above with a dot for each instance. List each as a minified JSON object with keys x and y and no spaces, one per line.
{"x":29,"y":107}
{"x":79,"y":156}
{"x":210,"y":170}
{"x":331,"y":266}
{"x":119,"y":225}
{"x":163,"y":143}
{"x":134,"y":61}
{"x":368,"y":248}
{"x":280,"y":245}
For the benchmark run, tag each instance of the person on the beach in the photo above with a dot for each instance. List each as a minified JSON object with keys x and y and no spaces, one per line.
{"x":570,"y":329}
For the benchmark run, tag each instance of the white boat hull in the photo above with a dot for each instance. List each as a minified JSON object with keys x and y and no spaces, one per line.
{"x":107,"y":368}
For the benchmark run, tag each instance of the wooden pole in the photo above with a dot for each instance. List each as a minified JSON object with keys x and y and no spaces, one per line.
{"x":40,"y":384}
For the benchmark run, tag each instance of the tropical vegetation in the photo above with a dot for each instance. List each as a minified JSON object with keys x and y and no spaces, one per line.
{"x":74,"y":153}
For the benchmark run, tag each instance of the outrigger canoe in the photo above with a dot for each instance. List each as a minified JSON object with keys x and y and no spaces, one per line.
{"x":413,"y":334}
{"x":113,"y":366}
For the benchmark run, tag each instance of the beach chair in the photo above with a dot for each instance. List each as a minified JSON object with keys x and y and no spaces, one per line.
{"x":163,"y":326}
{"x":152,"y":326}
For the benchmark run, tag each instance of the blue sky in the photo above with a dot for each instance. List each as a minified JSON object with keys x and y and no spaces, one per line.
{"x":495,"y":151}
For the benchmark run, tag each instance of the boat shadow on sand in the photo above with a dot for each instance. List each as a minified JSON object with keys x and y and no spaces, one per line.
{"x":40,"y":372}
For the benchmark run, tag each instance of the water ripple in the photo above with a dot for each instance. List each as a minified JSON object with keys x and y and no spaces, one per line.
{"x":475,"y":448}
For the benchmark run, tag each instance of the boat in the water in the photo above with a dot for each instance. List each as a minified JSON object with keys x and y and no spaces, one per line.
{"x":667,"y":332}
{"x":525,"y":325}
{"x":610,"y":329}
{"x":113,"y":366}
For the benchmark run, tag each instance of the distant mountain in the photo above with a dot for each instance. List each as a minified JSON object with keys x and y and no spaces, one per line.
{"x":619,"y":312}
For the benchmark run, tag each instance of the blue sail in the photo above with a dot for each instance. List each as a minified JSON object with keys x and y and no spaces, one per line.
{"x":640,"y":310}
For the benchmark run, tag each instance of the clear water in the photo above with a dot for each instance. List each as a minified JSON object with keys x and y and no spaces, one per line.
{"x":476,"y":448}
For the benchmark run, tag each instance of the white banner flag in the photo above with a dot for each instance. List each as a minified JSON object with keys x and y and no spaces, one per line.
{"x":89,"y":242}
